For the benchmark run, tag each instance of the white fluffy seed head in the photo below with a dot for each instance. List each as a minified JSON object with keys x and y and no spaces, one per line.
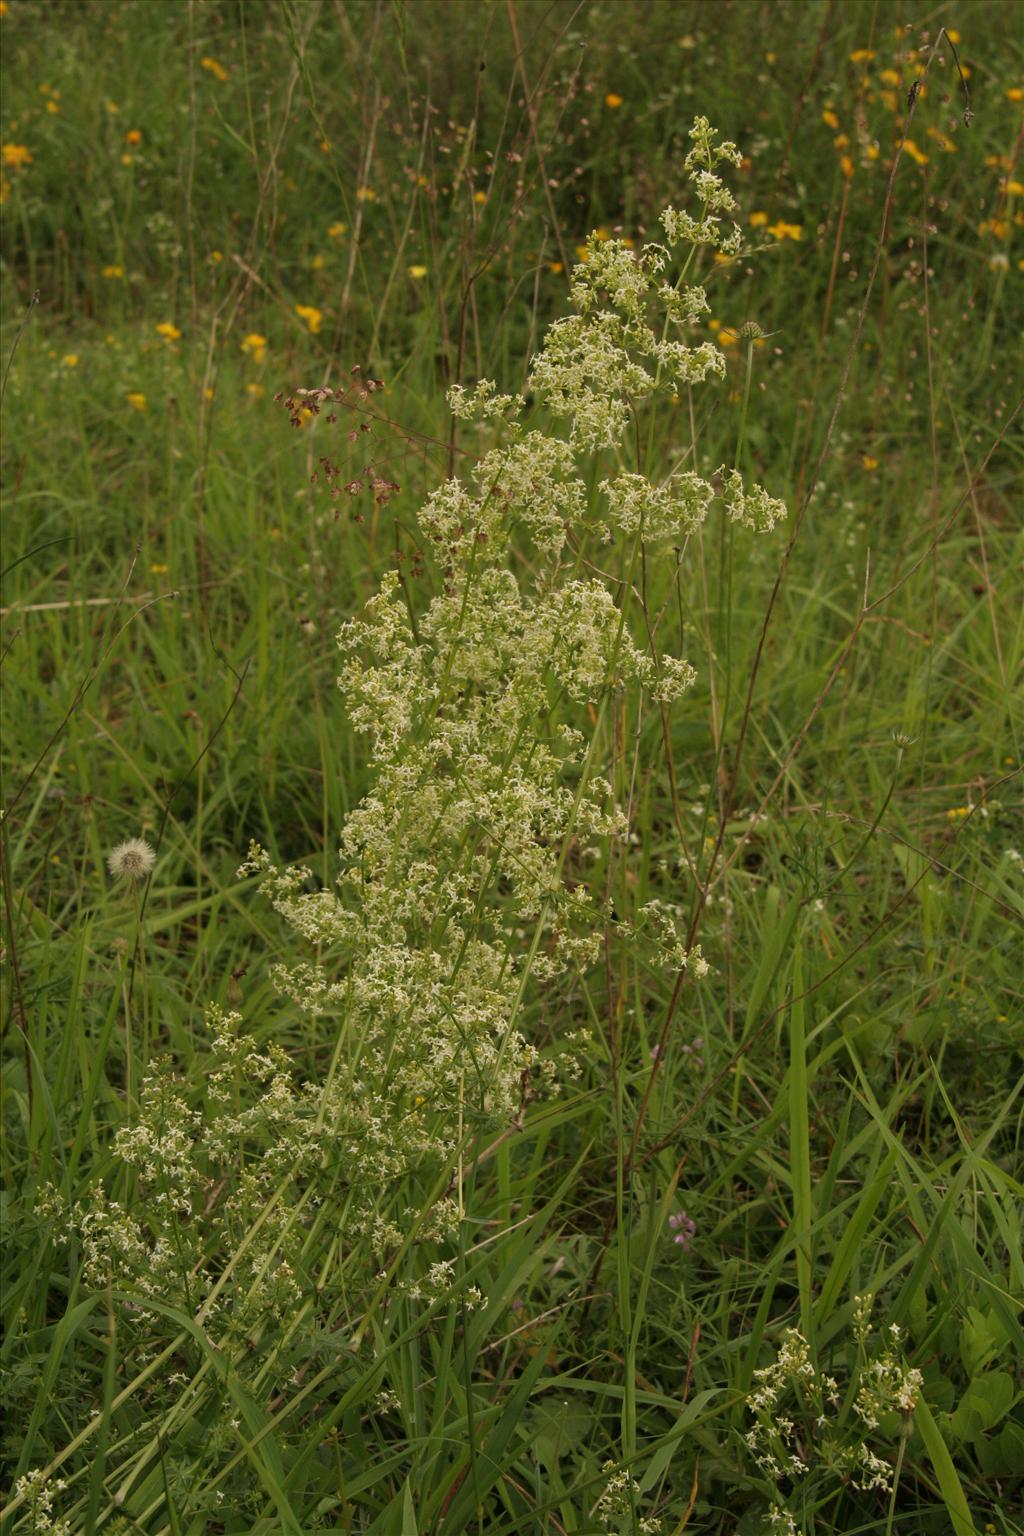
{"x":131,"y":860}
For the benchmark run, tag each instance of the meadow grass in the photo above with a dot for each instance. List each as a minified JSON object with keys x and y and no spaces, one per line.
{"x":217,"y":204}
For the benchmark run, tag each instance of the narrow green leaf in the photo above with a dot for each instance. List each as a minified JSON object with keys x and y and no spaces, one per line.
{"x":945,"y":1472}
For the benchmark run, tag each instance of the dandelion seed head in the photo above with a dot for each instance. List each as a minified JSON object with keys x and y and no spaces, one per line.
{"x":132,"y":860}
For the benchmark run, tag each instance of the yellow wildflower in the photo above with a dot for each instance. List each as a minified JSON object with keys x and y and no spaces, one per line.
{"x":872,"y":151}
{"x":136,"y":400}
{"x":311,"y":315}
{"x":829,"y":118}
{"x":1015,"y":93}
{"x":325,"y":146}
{"x":5,"y":189}
{"x":953,"y":34}
{"x":365,"y":195}
{"x":582,"y":253}
{"x":208,"y":392}
{"x":112,"y":107}
{"x":213,"y":68}
{"x":317,"y":263}
{"x":216,"y":256}
{"x":127,"y":159}
{"x":114,"y":271}
{"x":51,"y":106}
{"x":16,"y":156}
{"x":158,"y":568}
{"x":758,"y":219}
{"x":862,"y":55}
{"x":255,"y":346}
{"x":784,"y":231}
{"x":889,"y":76}
{"x":868,"y":462}
{"x":841,"y":140}
{"x":996,"y":227}
{"x":613,"y":101}
{"x":168,"y":331}
{"x":3,"y":7}
{"x":917,"y":155}
{"x":846,"y":166}
{"x":889,"y":99}
{"x":479,"y":197}
{"x":555,"y":266}
{"x":133,"y":136}
{"x":336,"y":230}
{"x":1015,"y":189}
{"x":256,"y":390}
{"x":416,"y":272}
{"x":70,"y":360}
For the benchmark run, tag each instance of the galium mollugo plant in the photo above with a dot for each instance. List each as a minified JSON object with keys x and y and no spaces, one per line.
{"x":808,"y":1430}
{"x":462,"y":906}
{"x":455,"y":901}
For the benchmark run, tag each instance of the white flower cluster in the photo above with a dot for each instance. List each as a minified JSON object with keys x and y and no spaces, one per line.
{"x":207,"y":1181}
{"x":481,"y":402}
{"x":714,"y":196}
{"x":780,"y":1519}
{"x":672,"y":510}
{"x":789,"y":1440}
{"x":469,"y":882}
{"x":596,"y":366}
{"x":454,"y":897}
{"x":586,"y":372}
{"x":614,"y":1501}
{"x":37,"y":1492}
{"x":887,"y":1386}
{"x":461,"y":841}
{"x":663,"y":922}
{"x":753,"y":508}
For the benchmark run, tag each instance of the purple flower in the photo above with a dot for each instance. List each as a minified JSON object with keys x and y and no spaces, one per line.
{"x":684,"y":1229}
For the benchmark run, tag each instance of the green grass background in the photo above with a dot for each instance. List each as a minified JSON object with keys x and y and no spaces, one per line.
{"x":172,"y":584}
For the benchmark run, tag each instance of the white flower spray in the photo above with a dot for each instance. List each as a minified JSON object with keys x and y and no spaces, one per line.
{"x":802,"y":1430}
{"x":453,"y":899}
{"x":459,"y":906}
